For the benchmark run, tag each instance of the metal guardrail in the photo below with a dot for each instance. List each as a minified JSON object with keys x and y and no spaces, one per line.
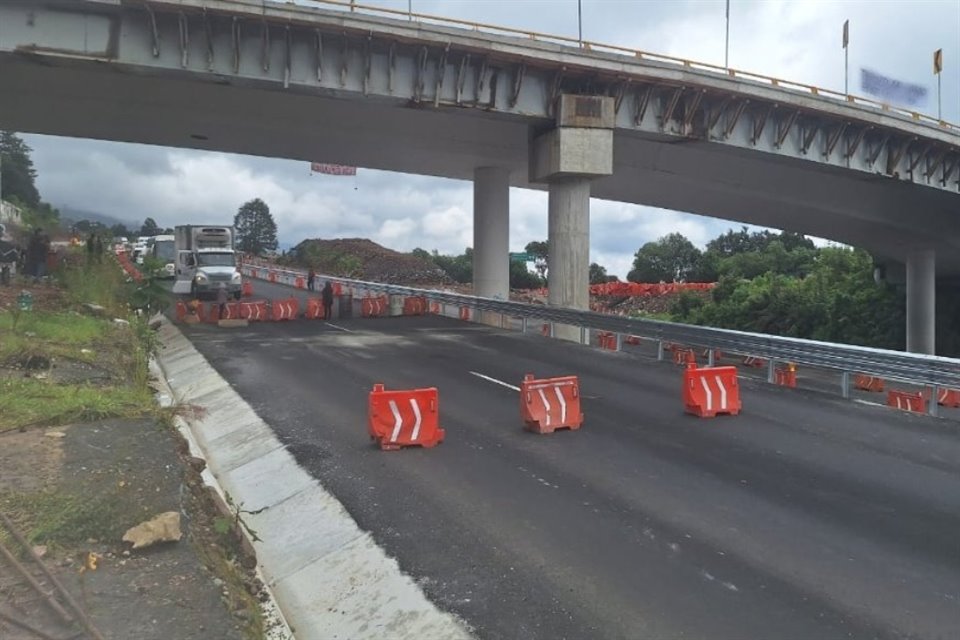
{"x":931,"y":371}
{"x":587,"y":45}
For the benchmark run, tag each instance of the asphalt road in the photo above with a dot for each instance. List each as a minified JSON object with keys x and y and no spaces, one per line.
{"x":805,"y":517}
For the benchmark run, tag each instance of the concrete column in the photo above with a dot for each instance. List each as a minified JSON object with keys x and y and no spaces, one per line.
{"x":491,"y":232}
{"x":921,"y":301}
{"x":568,"y":232}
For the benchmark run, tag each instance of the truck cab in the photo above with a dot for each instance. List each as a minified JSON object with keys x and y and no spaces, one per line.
{"x":205,"y":260}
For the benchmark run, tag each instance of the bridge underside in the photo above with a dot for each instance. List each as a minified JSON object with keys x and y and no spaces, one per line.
{"x":178,"y":109}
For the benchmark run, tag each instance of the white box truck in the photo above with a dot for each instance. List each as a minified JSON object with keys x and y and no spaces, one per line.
{"x":164,"y":250}
{"x":205,"y":260}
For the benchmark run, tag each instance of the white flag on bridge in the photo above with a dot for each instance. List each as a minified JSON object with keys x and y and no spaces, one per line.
{"x":893,"y":91}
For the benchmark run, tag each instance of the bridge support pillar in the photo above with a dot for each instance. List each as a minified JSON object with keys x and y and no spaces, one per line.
{"x":491,"y":232}
{"x":568,"y":240}
{"x":568,"y":158}
{"x":921,"y":301}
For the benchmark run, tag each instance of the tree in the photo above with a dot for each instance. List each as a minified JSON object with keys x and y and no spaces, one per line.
{"x":150,"y":228}
{"x":256,"y":230}
{"x":598,"y":274}
{"x":522,"y":278}
{"x":120,"y":230}
{"x":670,"y":258}
{"x":540,"y":253}
{"x":17,"y":175}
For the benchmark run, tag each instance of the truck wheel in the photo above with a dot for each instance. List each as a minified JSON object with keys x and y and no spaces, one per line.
{"x":193,"y":291}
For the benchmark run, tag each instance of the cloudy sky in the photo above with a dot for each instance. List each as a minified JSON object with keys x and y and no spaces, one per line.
{"x":794,"y":39}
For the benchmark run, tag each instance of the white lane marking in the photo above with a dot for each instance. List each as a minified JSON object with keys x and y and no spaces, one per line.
{"x":397,"y":421}
{"x":416,"y":425}
{"x":330,"y":324}
{"x":563,"y":405}
{"x":723,"y":394}
{"x":495,"y":381}
{"x":546,"y":403}
{"x":706,"y":389}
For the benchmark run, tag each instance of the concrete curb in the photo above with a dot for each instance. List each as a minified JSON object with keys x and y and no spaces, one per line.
{"x":330,"y":578}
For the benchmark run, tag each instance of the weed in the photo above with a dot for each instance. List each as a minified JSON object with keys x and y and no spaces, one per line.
{"x":26,"y":401}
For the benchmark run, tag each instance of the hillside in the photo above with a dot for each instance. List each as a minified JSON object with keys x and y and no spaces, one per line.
{"x":366,"y":260}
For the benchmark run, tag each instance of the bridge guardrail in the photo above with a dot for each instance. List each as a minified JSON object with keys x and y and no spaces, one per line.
{"x":644,"y":55}
{"x":924,"y":370}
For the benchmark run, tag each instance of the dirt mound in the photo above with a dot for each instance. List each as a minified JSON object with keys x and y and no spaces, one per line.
{"x":366,"y":260}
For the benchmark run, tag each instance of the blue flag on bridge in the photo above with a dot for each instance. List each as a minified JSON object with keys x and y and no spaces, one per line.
{"x":892,"y":91}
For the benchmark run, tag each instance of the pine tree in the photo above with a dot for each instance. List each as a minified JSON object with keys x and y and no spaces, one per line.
{"x":256,"y":230}
{"x":17,"y":174}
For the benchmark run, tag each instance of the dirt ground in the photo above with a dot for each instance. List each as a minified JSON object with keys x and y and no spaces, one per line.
{"x":76,"y":489}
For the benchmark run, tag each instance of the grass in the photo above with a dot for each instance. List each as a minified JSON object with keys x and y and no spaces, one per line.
{"x":65,"y":519}
{"x":100,"y":283}
{"x":26,"y":402}
{"x":50,"y":334}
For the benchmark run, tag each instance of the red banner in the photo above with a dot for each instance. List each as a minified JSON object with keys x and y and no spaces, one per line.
{"x":332,"y":169}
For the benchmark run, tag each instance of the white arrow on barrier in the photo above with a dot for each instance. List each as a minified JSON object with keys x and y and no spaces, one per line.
{"x":706,"y":389}
{"x":546,"y":403}
{"x":416,"y":412}
{"x":397,"y":421}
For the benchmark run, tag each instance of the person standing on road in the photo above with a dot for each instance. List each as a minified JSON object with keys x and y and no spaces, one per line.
{"x":222,"y":299}
{"x":327,"y":295}
{"x":311,"y":279}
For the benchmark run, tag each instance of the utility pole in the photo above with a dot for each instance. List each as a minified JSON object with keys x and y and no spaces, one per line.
{"x":846,"y":57}
{"x":726,"y":45}
{"x":580,"y":23}
{"x":937,"y":68}
{"x":409,"y":9}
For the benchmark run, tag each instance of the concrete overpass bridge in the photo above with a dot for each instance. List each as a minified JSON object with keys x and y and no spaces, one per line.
{"x":266,"y":78}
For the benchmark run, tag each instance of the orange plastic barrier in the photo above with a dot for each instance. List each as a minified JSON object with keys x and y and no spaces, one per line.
{"x":786,"y":376}
{"x":404,"y":418}
{"x":254,"y":311}
{"x":907,"y":401}
{"x":684,"y":356}
{"x":314,"y":310}
{"x":415,"y":306}
{"x":299,"y":282}
{"x":549,"y":404}
{"x":465,"y":313}
{"x":607,"y":340}
{"x":545,"y":329}
{"x":634,"y":340}
{"x":751,"y":361}
{"x":181,"y":310}
{"x":374,"y":307}
{"x":710,"y":391}
{"x":272,"y":276}
{"x":717,"y":354}
{"x":246,"y":289}
{"x":211,"y":312}
{"x":867,"y":383}
{"x":435,"y":308}
{"x":945,"y":397}
{"x":285,"y":309}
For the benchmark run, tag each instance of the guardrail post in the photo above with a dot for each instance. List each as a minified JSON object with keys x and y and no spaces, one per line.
{"x":523,"y":324}
{"x":583,"y":335}
{"x":845,"y":384}
{"x":934,"y":408}
{"x":619,"y":342}
{"x":711,"y":358}
{"x":771,"y":370}
{"x":660,"y":350}
{"x":551,"y":329}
